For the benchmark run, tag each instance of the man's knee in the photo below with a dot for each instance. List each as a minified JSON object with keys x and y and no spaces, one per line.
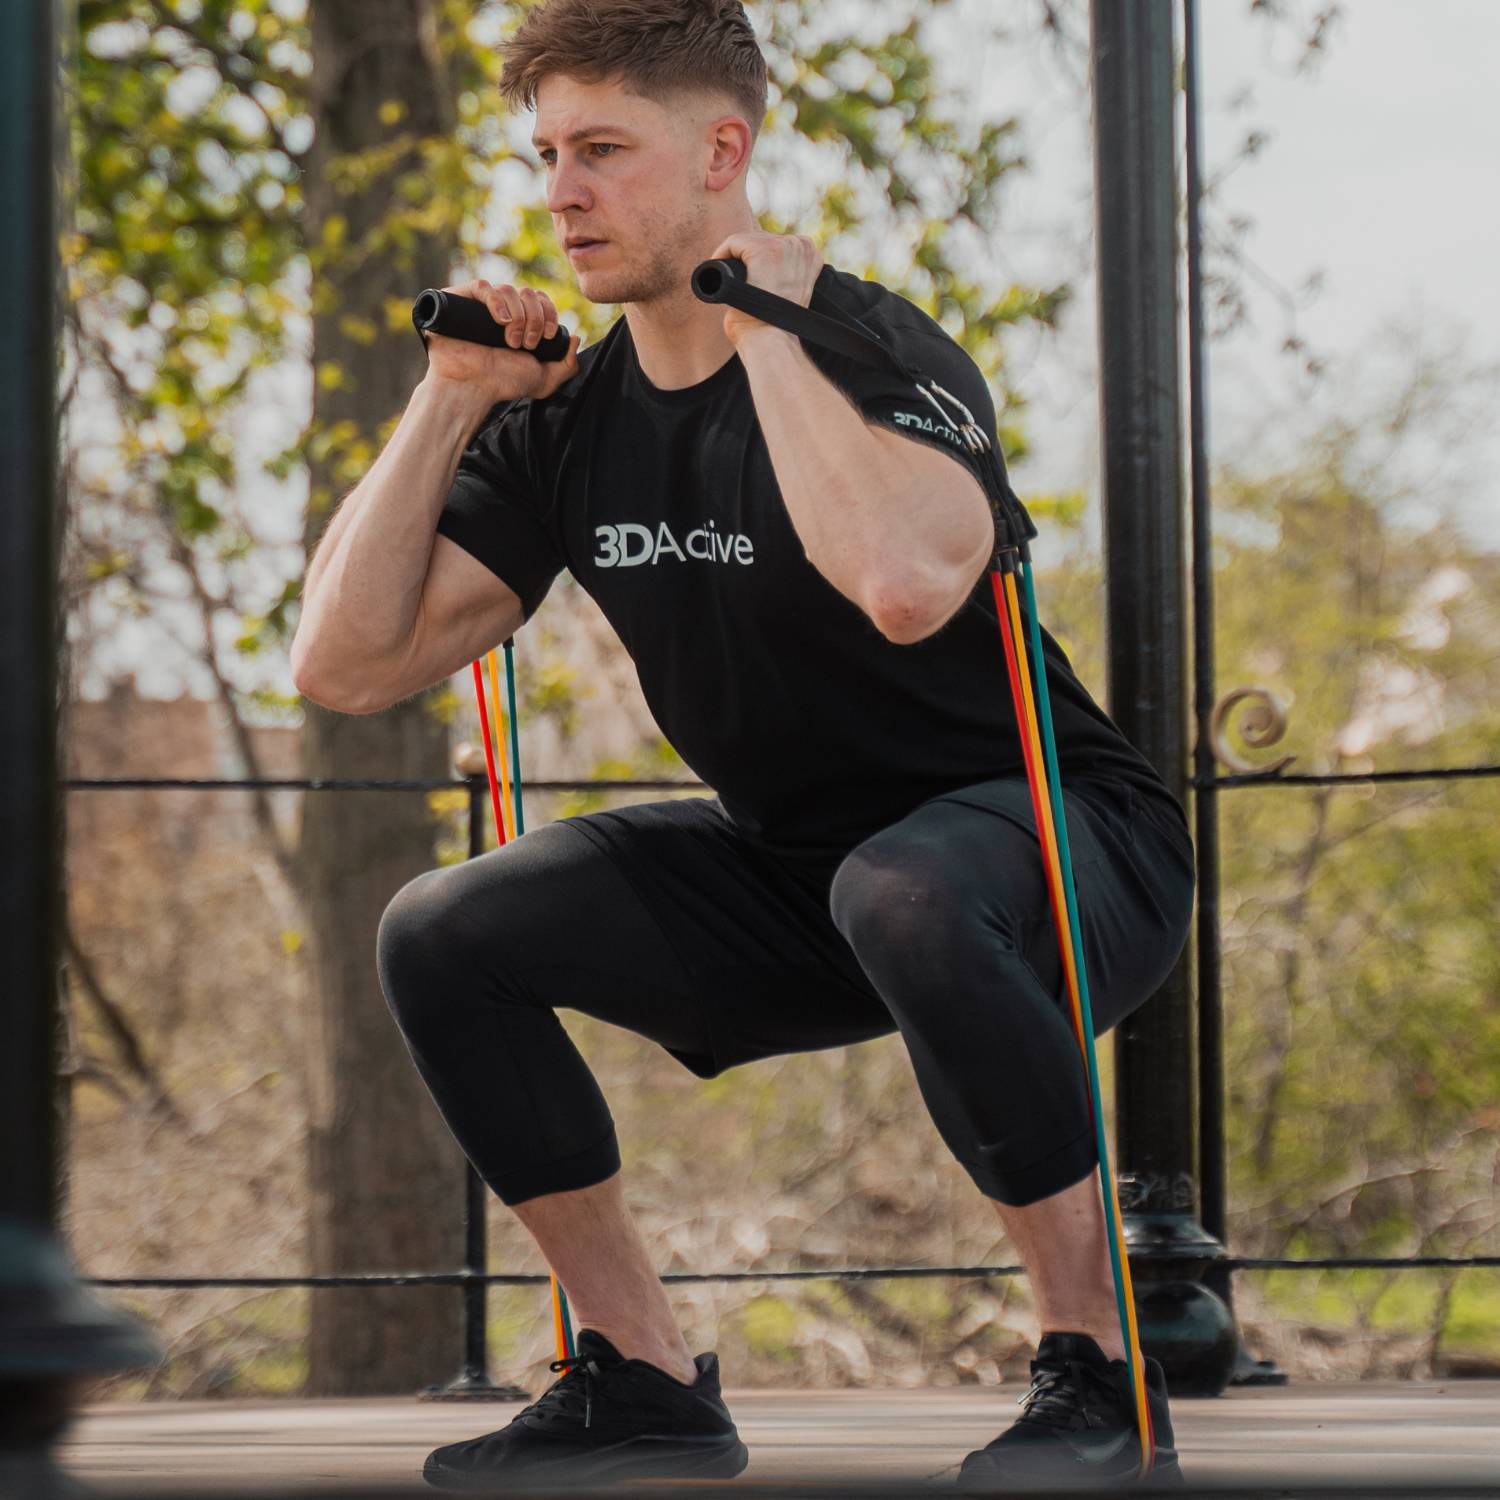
{"x":412,"y":947}
{"x":899,"y":905}
{"x":443,"y":936}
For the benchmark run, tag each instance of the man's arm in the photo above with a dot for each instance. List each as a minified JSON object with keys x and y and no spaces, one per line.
{"x":900,"y":528}
{"x":363,"y":590}
{"x":377,"y":616}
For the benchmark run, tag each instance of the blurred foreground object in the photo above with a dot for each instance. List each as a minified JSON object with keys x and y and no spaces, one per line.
{"x":52,"y":1331}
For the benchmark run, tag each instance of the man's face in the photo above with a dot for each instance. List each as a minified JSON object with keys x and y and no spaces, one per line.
{"x":627,"y":172}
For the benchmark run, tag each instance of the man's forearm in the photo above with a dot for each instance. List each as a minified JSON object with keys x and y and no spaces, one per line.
{"x":899,"y":528}
{"x":364,"y":584}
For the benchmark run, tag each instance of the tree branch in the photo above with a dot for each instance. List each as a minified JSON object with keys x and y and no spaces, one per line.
{"x":236,"y":70}
{"x":117,"y":1024}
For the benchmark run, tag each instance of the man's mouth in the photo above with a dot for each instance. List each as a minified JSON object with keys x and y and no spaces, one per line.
{"x":582,"y":247}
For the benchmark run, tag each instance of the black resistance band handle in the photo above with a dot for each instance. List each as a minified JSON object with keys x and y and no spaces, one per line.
{"x":711,"y":278}
{"x":725,"y":281}
{"x":466,"y":318}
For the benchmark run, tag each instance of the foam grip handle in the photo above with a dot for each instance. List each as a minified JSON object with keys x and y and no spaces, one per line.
{"x":457,"y":317}
{"x":712,"y":278}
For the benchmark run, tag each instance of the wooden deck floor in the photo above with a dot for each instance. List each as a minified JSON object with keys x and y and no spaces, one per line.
{"x":1423,"y":1438}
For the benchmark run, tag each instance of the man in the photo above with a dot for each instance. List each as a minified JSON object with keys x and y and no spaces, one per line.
{"x":793,"y":550}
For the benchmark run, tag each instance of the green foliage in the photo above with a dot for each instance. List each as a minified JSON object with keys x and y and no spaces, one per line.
{"x":185,"y":131}
{"x":271,"y":628}
{"x":905,"y":164}
{"x":769,"y":1324}
{"x":266,"y":706}
{"x":552,"y":690}
{"x":1359,"y":924}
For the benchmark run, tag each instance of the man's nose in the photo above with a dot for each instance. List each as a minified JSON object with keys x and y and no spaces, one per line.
{"x":566,"y":189}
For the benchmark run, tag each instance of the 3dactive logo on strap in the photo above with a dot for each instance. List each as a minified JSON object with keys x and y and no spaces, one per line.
{"x":630,"y":544}
{"x":926,"y":424}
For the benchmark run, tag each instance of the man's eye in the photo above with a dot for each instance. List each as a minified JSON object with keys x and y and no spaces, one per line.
{"x":549,"y":153}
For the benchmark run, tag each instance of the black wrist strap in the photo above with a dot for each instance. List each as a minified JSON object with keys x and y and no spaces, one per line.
{"x":834,"y":329}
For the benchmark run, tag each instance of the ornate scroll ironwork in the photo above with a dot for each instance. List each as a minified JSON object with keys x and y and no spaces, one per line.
{"x":1262,"y":722}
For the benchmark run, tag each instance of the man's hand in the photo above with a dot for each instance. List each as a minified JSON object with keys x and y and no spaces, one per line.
{"x":785,"y":264}
{"x":497,"y":373}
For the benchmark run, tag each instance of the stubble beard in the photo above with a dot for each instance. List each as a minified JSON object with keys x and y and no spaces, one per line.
{"x":662,"y":278}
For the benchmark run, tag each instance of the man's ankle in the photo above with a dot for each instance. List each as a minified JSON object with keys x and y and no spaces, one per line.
{"x":684,"y":1376}
{"x":678,"y":1365}
{"x":1111,"y":1343}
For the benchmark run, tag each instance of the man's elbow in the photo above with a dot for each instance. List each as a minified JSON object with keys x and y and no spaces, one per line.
{"x":903,"y":621}
{"x":315,"y":685}
{"x":907,"y":610}
{"x":905,"y":613}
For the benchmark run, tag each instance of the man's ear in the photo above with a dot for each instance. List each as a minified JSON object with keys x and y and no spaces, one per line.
{"x":730,"y":142}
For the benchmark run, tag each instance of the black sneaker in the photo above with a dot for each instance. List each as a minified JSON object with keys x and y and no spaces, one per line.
{"x":1078,"y":1427}
{"x":606,"y":1418}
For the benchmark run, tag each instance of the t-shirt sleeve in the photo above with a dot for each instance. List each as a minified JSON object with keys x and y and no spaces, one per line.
{"x":887,"y":398}
{"x":496,"y":509}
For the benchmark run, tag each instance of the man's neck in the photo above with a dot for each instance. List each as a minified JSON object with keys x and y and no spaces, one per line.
{"x":679,"y":341}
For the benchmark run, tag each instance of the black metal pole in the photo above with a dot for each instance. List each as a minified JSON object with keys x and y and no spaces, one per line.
{"x":1206,"y":801}
{"x":1212,"y":1165}
{"x":476,"y":1248}
{"x":1182,"y":1323}
{"x":473,"y":1382}
{"x":28,"y":566}
{"x":52,"y":1330}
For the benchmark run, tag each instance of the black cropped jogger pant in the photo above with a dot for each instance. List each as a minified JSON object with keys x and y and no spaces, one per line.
{"x":663,"y":919}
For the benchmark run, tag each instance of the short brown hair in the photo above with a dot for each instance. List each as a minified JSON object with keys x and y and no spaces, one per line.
{"x":657,"y":48}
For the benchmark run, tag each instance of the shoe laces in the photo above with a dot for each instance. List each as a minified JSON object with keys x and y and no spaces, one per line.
{"x":1055,"y":1395}
{"x":561,"y":1398}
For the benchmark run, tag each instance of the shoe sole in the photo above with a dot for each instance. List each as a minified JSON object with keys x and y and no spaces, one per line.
{"x":1166,"y":1474}
{"x":713,"y":1459}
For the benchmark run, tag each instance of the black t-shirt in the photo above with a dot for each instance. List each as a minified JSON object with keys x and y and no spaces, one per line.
{"x":781,"y":694}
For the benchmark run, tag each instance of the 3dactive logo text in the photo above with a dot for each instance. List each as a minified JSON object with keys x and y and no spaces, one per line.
{"x":918,"y":419}
{"x":630,"y":544}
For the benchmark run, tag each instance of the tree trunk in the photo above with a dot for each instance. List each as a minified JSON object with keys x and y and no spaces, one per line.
{"x":386,"y":1175}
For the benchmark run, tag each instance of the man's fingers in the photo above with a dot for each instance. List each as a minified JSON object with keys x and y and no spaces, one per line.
{"x":541,"y":316}
{"x":528,"y":314}
{"x":507,"y":308}
{"x":534,"y":310}
{"x":567,"y":366}
{"x":500,"y":301}
{"x":558,"y":375}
